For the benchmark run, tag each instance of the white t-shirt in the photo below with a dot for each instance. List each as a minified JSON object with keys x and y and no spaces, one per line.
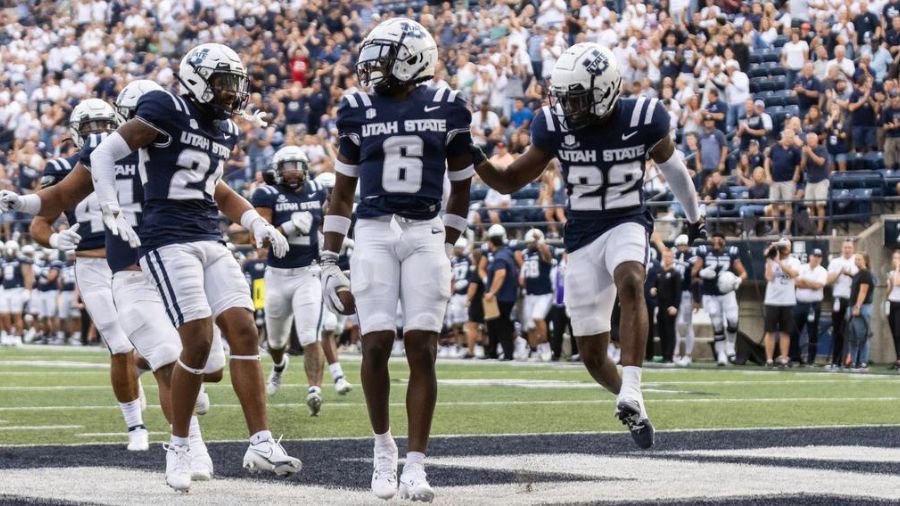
{"x":817,"y":275}
{"x":842,"y":284}
{"x":780,"y":291}
{"x":794,"y":54}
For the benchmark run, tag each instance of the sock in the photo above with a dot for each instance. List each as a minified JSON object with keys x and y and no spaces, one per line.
{"x":260,"y":437}
{"x":719,"y":344}
{"x":179,"y":441}
{"x":631,"y":380}
{"x":414,"y":458}
{"x":131,"y":411}
{"x":279,"y":368}
{"x":336,"y":371}
{"x":315,"y":390}
{"x":385,"y":440}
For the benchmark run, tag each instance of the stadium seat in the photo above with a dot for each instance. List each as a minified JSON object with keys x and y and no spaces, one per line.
{"x":780,"y":41}
{"x":792,"y":110}
{"x":787,"y":97}
{"x":529,"y":192}
{"x":859,"y":179}
{"x":773,"y":56}
{"x":478,"y":192}
{"x":771,"y":98}
{"x":778,"y":82}
{"x":757,"y":70}
{"x":873,"y":160}
{"x":774,"y":68}
{"x":756,"y":57}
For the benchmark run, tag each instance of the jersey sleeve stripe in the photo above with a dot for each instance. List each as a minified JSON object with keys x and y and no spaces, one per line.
{"x":175,"y":102}
{"x":364,"y":97}
{"x":636,"y":114}
{"x":453,"y":133}
{"x":439,"y":94}
{"x":160,"y":130}
{"x":451,"y":97}
{"x":351,"y":100}
{"x":648,"y":116}
{"x":65,"y":165}
{"x":346,"y":169}
{"x":548,"y":117}
{"x":184,"y":106}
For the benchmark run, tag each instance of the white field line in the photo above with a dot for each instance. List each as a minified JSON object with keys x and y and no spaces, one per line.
{"x":331,"y":405}
{"x":42,"y":427}
{"x":54,"y":363}
{"x":116,"y":434}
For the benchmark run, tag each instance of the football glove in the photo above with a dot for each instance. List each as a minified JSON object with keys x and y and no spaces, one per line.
{"x":708,"y":273}
{"x":10,"y":201}
{"x":114,"y":220}
{"x":264,"y":231}
{"x":302,"y":221}
{"x":256,"y":118}
{"x":697,"y":231}
{"x":67,"y":240}
{"x":333,"y":281}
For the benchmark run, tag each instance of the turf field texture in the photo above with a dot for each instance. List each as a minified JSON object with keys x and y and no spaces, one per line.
{"x":62,"y":396}
{"x":505,"y":434}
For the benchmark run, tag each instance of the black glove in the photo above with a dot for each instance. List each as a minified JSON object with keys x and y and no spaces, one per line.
{"x":697,"y":231}
{"x":478,"y":155}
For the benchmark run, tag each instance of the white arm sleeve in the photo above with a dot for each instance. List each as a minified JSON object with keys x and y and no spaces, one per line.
{"x":103,"y":169}
{"x":682,"y":186}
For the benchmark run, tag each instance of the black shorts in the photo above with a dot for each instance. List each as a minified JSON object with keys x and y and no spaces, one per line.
{"x":476,"y":311}
{"x":779,"y":318}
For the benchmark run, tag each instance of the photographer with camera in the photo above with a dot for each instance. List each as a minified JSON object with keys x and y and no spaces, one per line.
{"x":781,"y":269}
{"x":810,"y":282}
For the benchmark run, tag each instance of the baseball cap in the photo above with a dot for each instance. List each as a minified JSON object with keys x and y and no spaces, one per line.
{"x":817,"y":252}
{"x":759,"y":103}
{"x":681,"y":240}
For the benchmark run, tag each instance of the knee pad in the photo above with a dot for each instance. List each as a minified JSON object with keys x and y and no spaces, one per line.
{"x":732,"y":328}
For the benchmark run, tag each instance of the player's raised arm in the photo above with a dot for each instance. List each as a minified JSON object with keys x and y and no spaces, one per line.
{"x":522,"y":171}
{"x":459,"y":170}
{"x":238,"y":210}
{"x":681,"y":184}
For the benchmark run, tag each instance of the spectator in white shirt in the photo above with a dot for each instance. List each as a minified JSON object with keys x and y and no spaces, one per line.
{"x":810,"y":283}
{"x":485,"y":126}
{"x":737,"y":91}
{"x":552,"y":12}
{"x":841,"y":61}
{"x":840,"y":276}
{"x":781,"y":269}
{"x":794,"y":55}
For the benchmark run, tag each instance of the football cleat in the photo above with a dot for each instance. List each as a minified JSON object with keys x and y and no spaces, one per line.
{"x":414,"y":484}
{"x":201,"y":463}
{"x":628,"y":411}
{"x":384,"y":473}
{"x":138,"y":440}
{"x":201,"y":405}
{"x":274,"y":382}
{"x":178,"y":467}
{"x":685,"y":361}
{"x":271,"y":456}
{"x":314,"y":403}
{"x":342,"y":386}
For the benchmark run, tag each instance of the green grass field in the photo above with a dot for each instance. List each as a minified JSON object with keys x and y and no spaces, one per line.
{"x":62,"y":396}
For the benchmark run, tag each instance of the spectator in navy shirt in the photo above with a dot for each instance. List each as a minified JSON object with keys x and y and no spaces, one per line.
{"x":890,"y":122}
{"x":713,"y":146}
{"x":863,"y":112}
{"x":807,"y":88}
{"x":836,"y":135}
{"x":717,"y":109}
{"x":502,"y":286}
{"x":815,"y":166}
{"x":865,"y":23}
{"x":759,"y":190}
{"x":521,"y":115}
{"x":783,"y":173}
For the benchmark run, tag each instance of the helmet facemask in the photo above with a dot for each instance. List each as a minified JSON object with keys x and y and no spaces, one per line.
{"x":228,"y":93}
{"x":578,"y":105}
{"x":291,"y":173}
{"x":376,"y":64}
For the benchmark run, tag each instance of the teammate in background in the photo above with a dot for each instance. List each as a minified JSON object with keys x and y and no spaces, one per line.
{"x":398,"y":142}
{"x":69,"y":317}
{"x":47,"y":275}
{"x":293,"y":290}
{"x":333,"y":324}
{"x":184,"y":141}
{"x":603,"y":144}
{"x":475,"y":335}
{"x":535,"y":262}
{"x":18,"y":279}
{"x":684,"y":325}
{"x":716,"y":266}
{"x":254,"y":269}
{"x":458,"y":311}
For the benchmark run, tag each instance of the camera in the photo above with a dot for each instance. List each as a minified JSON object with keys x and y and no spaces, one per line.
{"x":772,"y":252}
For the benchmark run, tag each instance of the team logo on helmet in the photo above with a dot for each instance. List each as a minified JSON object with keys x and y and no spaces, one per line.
{"x":198,"y":57}
{"x":411,"y":30}
{"x":598,"y":64}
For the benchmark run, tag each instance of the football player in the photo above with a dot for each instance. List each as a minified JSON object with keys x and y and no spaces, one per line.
{"x":18,"y":279}
{"x":47,"y":277}
{"x":458,"y":310}
{"x":684,"y":327}
{"x":716,"y":266}
{"x":536,"y":261}
{"x":603,"y":144}
{"x":69,"y":320}
{"x":293,"y":290}
{"x":398,"y":142}
{"x":184,"y":141}
{"x":140,"y":309}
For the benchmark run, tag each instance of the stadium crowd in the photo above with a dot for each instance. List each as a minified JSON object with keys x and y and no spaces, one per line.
{"x":767,"y":101}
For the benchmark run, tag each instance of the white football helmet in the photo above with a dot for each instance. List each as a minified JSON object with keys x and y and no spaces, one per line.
{"x":585,"y":84}
{"x":497,"y":230}
{"x":290,"y":158}
{"x":398,"y":51}
{"x":681,"y":240}
{"x":326,"y":179}
{"x":12,"y":248}
{"x":126,"y":102}
{"x":462,"y":243}
{"x":213,"y":76}
{"x":91,"y":116}
{"x":28,"y":251}
{"x":728,"y":282}
{"x":533,"y":235}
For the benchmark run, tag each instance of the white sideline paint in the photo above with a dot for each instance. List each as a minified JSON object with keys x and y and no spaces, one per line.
{"x":41,"y":427}
{"x":607,"y":478}
{"x":116,"y":434}
{"x":54,"y":363}
{"x":611,"y":400}
{"x":830,"y":453}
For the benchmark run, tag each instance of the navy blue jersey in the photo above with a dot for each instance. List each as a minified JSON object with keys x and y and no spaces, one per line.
{"x":603,"y":165}
{"x":42,"y":273}
{"x":536,"y":272}
{"x":67,"y":277}
{"x":87,"y":212}
{"x":684,"y":262}
{"x":284,"y":203}
{"x":180,"y":170}
{"x":119,"y":254}
{"x":503,"y":259}
{"x":12,"y":272}
{"x":401,"y":147}
{"x":459,"y":267}
{"x":720,"y":260}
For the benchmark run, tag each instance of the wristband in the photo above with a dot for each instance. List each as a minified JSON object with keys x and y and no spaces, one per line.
{"x":346,"y":169}
{"x":336,"y":223}
{"x":249,"y":218}
{"x":30,"y":204}
{"x":456,"y":222}
{"x":54,"y":240}
{"x":328,"y":257}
